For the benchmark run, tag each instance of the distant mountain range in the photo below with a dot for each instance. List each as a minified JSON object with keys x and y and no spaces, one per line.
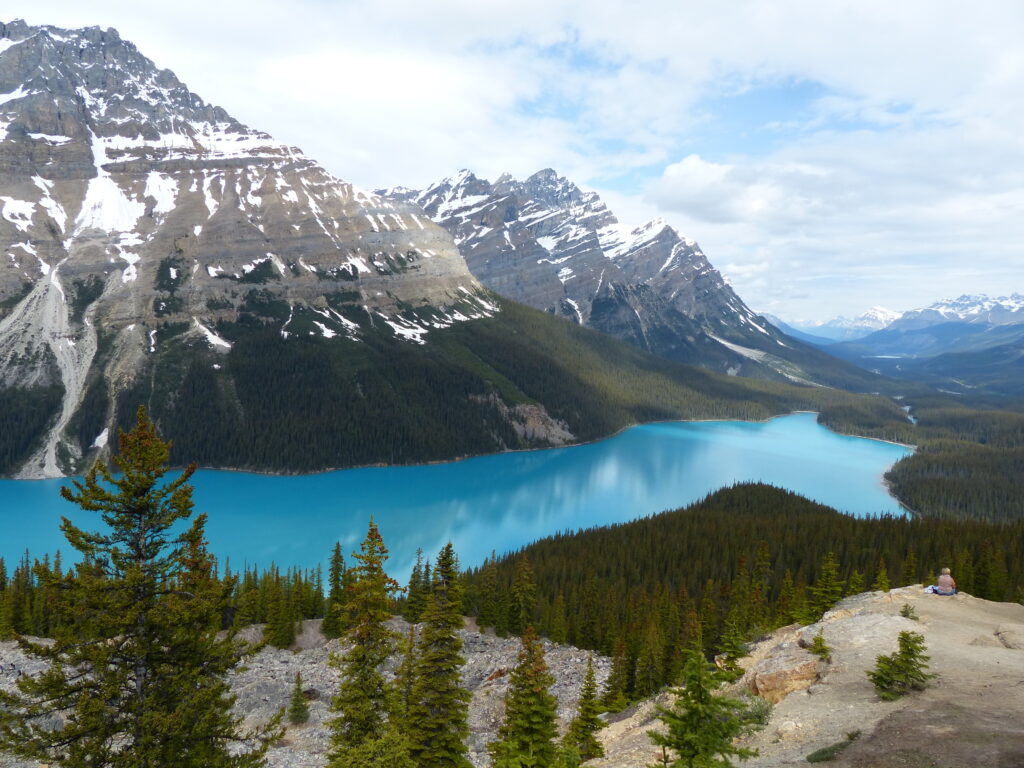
{"x":842,"y":328}
{"x":973,"y":343}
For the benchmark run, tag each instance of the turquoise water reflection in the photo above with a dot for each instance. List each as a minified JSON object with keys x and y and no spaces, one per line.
{"x":495,"y":502}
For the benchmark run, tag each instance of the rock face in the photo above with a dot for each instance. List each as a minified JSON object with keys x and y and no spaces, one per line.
{"x":263,"y":685}
{"x":787,"y":668}
{"x":129,"y":206}
{"x":547,"y":243}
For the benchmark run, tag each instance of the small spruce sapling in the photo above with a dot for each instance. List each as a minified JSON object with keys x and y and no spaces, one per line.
{"x":298,"y":707}
{"x":909,"y":612}
{"x":899,"y":673}
{"x":701,"y":726}
{"x":820,"y":648}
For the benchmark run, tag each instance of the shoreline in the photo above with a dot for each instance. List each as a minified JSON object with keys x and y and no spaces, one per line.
{"x":469,"y":456}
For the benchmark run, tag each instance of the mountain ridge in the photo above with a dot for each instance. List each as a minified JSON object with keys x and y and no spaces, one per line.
{"x":547,"y":243}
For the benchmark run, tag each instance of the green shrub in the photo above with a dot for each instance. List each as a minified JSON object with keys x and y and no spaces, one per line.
{"x":899,"y":673}
{"x":820,"y":649}
{"x":909,"y":612}
{"x":758,"y":712}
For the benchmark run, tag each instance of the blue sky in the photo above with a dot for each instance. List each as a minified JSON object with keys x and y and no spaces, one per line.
{"x":827,"y":156}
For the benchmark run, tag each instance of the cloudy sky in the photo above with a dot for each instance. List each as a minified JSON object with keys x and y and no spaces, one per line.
{"x":829,"y":156}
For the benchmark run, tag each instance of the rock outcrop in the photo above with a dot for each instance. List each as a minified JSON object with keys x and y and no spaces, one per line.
{"x":973,"y":714}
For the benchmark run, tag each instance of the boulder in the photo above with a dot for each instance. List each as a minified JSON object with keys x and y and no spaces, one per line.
{"x":786,"y":669}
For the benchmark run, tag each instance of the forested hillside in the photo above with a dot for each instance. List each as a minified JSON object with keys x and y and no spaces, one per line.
{"x":313,"y":403}
{"x":744,"y":560}
{"x":969,"y":461}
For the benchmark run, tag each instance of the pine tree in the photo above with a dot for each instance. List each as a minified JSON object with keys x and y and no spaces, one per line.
{"x":910,"y":568}
{"x":559,"y":629}
{"x":881,"y":583}
{"x":899,"y":673}
{"x":416,"y":593}
{"x":613,"y":698}
{"x":405,"y":675}
{"x":827,"y":587}
{"x":524,"y":597}
{"x":280,"y":630}
{"x":648,"y":676}
{"x":855,"y":584}
{"x":786,"y":609}
{"x":364,"y":701}
{"x":580,"y":736}
{"x":709,"y":617}
{"x":526,"y":736}
{"x":733,"y":647}
{"x":488,"y":613}
{"x":298,"y":707}
{"x":334,"y":609}
{"x":437,"y":719}
{"x":701,"y":726}
{"x":142,"y":659}
{"x":761,"y":588}
{"x":389,"y":750}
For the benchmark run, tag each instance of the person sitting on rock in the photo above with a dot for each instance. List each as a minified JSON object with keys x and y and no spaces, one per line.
{"x":946,"y":585}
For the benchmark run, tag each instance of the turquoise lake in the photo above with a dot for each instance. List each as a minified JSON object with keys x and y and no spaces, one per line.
{"x":496,"y":502}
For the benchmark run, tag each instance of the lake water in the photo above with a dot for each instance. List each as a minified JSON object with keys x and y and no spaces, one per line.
{"x":496,"y":502}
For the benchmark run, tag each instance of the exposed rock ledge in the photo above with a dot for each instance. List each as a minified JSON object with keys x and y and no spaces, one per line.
{"x":972,"y":715}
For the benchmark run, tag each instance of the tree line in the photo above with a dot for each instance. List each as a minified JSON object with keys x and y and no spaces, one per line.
{"x":721,"y":572}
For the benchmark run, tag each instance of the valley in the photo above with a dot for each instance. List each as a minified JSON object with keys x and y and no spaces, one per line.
{"x":477,"y":474}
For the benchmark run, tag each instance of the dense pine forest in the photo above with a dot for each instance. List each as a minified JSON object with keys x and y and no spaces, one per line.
{"x":384,"y":400}
{"x":718,"y":573}
{"x":969,"y":461}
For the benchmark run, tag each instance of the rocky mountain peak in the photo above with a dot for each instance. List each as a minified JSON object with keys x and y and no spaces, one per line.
{"x":129,"y":205}
{"x":545,"y":242}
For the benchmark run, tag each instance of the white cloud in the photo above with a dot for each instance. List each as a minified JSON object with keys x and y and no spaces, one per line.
{"x":899,"y":186}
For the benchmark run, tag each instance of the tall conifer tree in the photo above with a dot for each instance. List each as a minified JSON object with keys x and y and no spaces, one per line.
{"x":437,"y":719}
{"x":139,"y":674}
{"x":526,"y":736}
{"x":334,"y":609}
{"x":827,"y":587}
{"x":581,"y":733}
{"x":362,"y":732}
{"x":524,"y":597}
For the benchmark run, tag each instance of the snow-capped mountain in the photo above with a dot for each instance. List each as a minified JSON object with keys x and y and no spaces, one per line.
{"x":545,"y":242}
{"x":976,"y":309}
{"x":134,"y":214}
{"x":848,"y":329}
{"x":971,"y":343}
